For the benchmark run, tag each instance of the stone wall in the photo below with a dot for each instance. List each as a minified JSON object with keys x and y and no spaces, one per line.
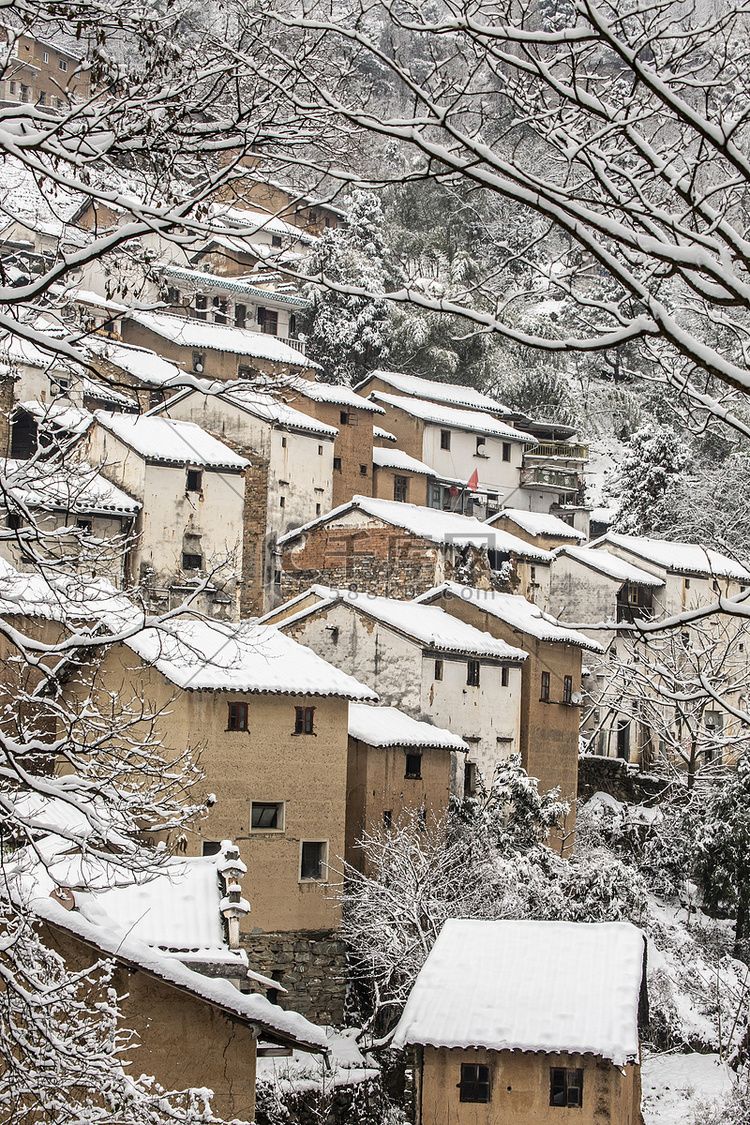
{"x":597,"y":774}
{"x":254,"y":553}
{"x":311,"y":965}
{"x":6,"y":410}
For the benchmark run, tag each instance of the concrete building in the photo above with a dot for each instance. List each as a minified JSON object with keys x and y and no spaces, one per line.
{"x":528,"y":1023}
{"x":41,"y":72}
{"x":422,"y":660}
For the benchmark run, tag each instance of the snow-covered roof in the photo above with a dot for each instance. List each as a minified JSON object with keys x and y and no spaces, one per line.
{"x":515,"y":611}
{"x":191,"y":333}
{"x":212,"y":281}
{"x":539,"y":523}
{"x":388,"y":726}
{"x":170,"y":442}
{"x":554,"y":987}
{"x":380,"y":434}
{"x":429,"y":625}
{"x":245,"y":221}
{"x":60,"y":598}
{"x":141,"y":363}
{"x":248,"y":657}
{"x":60,"y":414}
{"x":431,"y":524}
{"x":453,"y":394}
{"x":330,"y":392}
{"x":607,"y":563}
{"x":269,"y":409}
{"x":35,"y":203}
{"x":474,"y":421}
{"x":79,"y":488}
{"x":690,"y":558}
{"x":18,"y":350}
{"x":385,"y":458}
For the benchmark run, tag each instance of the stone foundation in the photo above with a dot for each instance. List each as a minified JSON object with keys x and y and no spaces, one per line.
{"x":311,"y":966}
{"x":597,"y":774}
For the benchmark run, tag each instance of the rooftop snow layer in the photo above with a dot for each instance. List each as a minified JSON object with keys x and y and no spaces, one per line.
{"x":220,"y":337}
{"x":386,"y":458}
{"x":269,"y":409}
{"x":427,"y":624}
{"x":453,"y":394}
{"x":66,"y":598}
{"x":212,"y":281}
{"x":388,"y":726}
{"x":539,"y":523}
{"x":553,"y":987}
{"x":472,"y":420}
{"x":60,"y":414}
{"x":684,"y":557}
{"x":611,"y":565}
{"x":246,"y":657}
{"x":383,"y":435}
{"x":330,"y":392}
{"x":79,"y":488}
{"x":243,"y":221}
{"x":141,"y":363}
{"x":515,"y":611}
{"x":431,"y":524}
{"x":171,"y":442}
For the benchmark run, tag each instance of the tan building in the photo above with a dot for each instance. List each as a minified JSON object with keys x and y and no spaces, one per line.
{"x":541,"y":529}
{"x":422,"y":660}
{"x":192,"y":489}
{"x":528,"y":1023}
{"x":550,"y":678}
{"x":270,"y":719}
{"x":41,"y":73}
{"x":396,"y":763}
{"x":393,"y":549}
{"x":397,"y":476}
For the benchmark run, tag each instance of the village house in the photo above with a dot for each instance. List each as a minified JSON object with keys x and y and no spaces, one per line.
{"x":528,"y":1023}
{"x":422,"y":660}
{"x":289,"y":479}
{"x":270,"y":719}
{"x":550,"y":678}
{"x":288,"y":204}
{"x":40,"y":72}
{"x":390,"y":548}
{"x":397,"y":476}
{"x":192,"y":490}
{"x":191,"y":1027}
{"x":396,"y":764}
{"x":541,"y":529}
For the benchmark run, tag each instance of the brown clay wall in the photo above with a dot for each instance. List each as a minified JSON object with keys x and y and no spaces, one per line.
{"x":416,"y":488}
{"x":353,"y":446}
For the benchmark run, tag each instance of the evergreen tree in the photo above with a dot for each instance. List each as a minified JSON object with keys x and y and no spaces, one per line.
{"x":653,"y":470}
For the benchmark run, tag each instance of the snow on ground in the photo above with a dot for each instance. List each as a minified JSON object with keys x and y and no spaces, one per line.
{"x":675,"y":1086}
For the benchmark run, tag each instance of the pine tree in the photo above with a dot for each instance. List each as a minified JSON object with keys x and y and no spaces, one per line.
{"x":652,"y":472}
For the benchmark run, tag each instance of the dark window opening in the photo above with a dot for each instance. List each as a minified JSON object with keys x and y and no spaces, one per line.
{"x":568,"y":689}
{"x":220,"y":310}
{"x":470,"y":779}
{"x":623,"y":739}
{"x":506,"y":450}
{"x":84,"y":525}
{"x":292,"y":327}
{"x":282,"y":501}
{"x":320,"y":451}
{"x":240,"y":316}
{"x":445,"y":439}
{"x":544,"y":690}
{"x":13,"y":520}
{"x":303,"y":721}
{"x":363,"y":470}
{"x":472,"y":673}
{"x":276,"y":241}
{"x":504,"y":676}
{"x":413,"y":766}
{"x":268,"y":319}
{"x":191,"y":562}
{"x":194,"y":480}
{"x":155,"y":398}
{"x":266,"y":814}
{"x":173,"y":295}
{"x":565,"y":1087}
{"x":201,"y":304}
{"x":199,"y":362}
{"x":312,"y":859}
{"x":343,"y":418}
{"x":337,"y":464}
{"x":438,"y":669}
{"x":237,"y":716}
{"x":400,"y":487}
{"x":211,"y":847}
{"x":475,"y":1083}
{"x":387,"y":819}
{"x":318,"y":509}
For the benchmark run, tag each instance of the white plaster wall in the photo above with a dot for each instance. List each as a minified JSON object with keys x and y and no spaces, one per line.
{"x":461,"y":459}
{"x":579,"y":594}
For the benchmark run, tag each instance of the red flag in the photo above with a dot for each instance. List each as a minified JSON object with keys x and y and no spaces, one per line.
{"x":473,"y":481}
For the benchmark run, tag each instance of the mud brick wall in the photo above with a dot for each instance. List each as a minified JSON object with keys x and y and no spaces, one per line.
{"x":254,"y":547}
{"x":310,"y":965}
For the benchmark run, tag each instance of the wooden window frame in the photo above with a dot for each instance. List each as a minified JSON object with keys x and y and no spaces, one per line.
{"x":304,"y":720}
{"x":544,"y":687}
{"x":475,"y":1085}
{"x":238,"y":716}
{"x":566,"y":1087}
{"x":473,"y":673}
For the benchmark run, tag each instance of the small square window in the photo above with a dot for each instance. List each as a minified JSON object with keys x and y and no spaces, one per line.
{"x":687,"y":583}
{"x":304,"y":720}
{"x":45,"y":56}
{"x":475,"y":1083}
{"x":400,"y":488}
{"x":568,"y":689}
{"x":237,"y":716}
{"x":84,"y":525}
{"x":472,"y":673}
{"x":276,"y":241}
{"x":282,"y":501}
{"x":13,"y":520}
{"x":318,"y":509}
{"x":344,"y":418}
{"x":506,"y":450}
{"x":504,"y":676}
{"x":566,"y":1087}
{"x":544,"y":689}
{"x":413,"y":767}
{"x":445,"y":439}
{"x":194,"y":481}
{"x":312,"y":859}
{"x":191,"y":562}
{"x":438,"y":669}
{"x":337,"y":464}
{"x":283,"y":443}
{"x":363,"y":470}
{"x":62,"y":65}
{"x":267,"y":816}
{"x":211,"y":847}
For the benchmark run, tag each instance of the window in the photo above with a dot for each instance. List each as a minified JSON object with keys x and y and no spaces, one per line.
{"x":220,"y":310}
{"x":400,"y":489}
{"x":13,"y":520}
{"x":62,"y":65}
{"x":532,"y":571}
{"x":267,"y":816}
{"x":303,"y":722}
{"x":282,"y":501}
{"x":470,"y":779}
{"x":24,"y":93}
{"x":194,"y":481}
{"x":318,"y":509}
{"x":283,"y":442}
{"x":568,"y":689}
{"x":84,"y":525}
{"x":237,"y":716}
{"x":13,"y":87}
{"x":155,"y":398}
{"x":445,"y":439}
{"x":363,"y":470}
{"x":312,"y":859}
{"x":42,"y":98}
{"x":387,"y":819}
{"x":211,"y":847}
{"x":276,"y":241}
{"x":199,"y":362}
{"x":504,"y":677}
{"x":173,"y":295}
{"x":268,"y":319}
{"x":191,"y":562}
{"x":472,"y":673}
{"x":544,"y":691}
{"x":240,"y":316}
{"x":343,"y":418}
{"x":45,"y":56}
{"x":687,"y":583}
{"x":413,"y":766}
{"x":292,"y":327}
{"x":337,"y":464}
{"x":565,"y":1087}
{"x":506,"y":450}
{"x":201,"y":304}
{"x":475,"y":1083}
{"x":320,"y":451}
{"x":438,"y":669}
